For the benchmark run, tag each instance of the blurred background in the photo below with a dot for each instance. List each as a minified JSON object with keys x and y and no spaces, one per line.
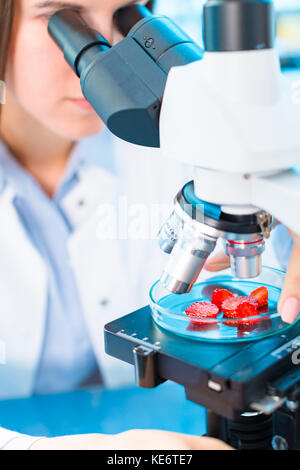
{"x":188,"y":13}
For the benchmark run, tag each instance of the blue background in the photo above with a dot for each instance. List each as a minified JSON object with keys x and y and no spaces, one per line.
{"x":104,"y":411}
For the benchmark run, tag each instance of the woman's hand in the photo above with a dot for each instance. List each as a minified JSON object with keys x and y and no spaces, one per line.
{"x":289,"y":302}
{"x":131,"y":440}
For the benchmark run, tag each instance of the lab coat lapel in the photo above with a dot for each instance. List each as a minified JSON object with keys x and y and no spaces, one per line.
{"x":23,"y":288}
{"x":96,"y":258}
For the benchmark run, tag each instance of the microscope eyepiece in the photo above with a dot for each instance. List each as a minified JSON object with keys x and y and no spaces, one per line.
{"x":226,"y":25}
{"x":125,"y":82}
{"x":76,"y":39}
{"x":127,"y":17}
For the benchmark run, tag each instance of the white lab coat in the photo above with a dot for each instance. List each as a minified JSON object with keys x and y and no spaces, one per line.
{"x":118,"y":271}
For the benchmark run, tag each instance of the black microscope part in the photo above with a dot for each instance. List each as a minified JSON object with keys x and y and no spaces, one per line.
{"x":250,"y":432}
{"x":246,"y":372}
{"x":125,"y":18}
{"x":228,"y":25}
{"x":230,"y":223}
{"x":125,"y":83}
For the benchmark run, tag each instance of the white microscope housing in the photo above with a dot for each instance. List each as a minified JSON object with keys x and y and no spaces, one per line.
{"x":236,"y":118}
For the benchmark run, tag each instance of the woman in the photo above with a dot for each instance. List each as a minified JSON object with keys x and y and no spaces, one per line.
{"x":77,"y":247}
{"x":69,"y":264}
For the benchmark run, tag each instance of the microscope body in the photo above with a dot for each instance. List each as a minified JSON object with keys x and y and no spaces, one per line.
{"x":236,"y":121}
{"x":234,"y":113}
{"x":235,"y":118}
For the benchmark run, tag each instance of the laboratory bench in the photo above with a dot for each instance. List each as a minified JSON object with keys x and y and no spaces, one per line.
{"x":98,"y":410}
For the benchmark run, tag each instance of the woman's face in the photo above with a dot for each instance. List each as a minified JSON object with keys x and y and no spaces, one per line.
{"x":39,"y":79}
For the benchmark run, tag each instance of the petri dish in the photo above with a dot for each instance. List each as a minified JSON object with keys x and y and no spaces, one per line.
{"x":168,"y":309}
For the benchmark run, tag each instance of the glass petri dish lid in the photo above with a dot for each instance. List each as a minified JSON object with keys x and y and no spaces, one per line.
{"x":168,"y":309}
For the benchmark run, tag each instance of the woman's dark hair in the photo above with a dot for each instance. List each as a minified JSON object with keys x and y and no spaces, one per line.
{"x":150,"y":4}
{"x":6,"y":24}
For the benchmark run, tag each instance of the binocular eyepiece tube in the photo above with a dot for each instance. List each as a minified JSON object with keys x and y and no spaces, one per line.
{"x":125,"y":82}
{"x":75,"y":38}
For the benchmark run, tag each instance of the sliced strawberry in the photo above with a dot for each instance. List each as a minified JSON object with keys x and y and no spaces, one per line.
{"x":261,"y":295}
{"x":264,"y":309}
{"x":243,"y":321}
{"x":250,"y":320}
{"x":243,"y":308}
{"x":219,"y":295}
{"x":201,"y":310}
{"x":232,"y":307}
{"x":248,"y":308}
{"x":250,"y":324}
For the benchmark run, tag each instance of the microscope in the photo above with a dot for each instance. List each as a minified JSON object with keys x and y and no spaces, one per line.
{"x":230,"y":113}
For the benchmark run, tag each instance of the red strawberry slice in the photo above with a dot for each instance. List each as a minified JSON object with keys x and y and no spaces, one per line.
{"x":249,"y":324}
{"x":243,"y":321}
{"x":249,"y":320}
{"x":240,"y":307}
{"x":219,"y":295}
{"x":264,"y":309}
{"x":263,"y":317}
{"x":201,"y":310}
{"x":248,"y":308}
{"x":261,"y":295}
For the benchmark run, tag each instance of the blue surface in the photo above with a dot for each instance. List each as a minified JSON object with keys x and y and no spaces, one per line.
{"x":104,"y":411}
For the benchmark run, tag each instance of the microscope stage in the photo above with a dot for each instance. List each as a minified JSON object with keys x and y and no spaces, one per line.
{"x":169,"y":309}
{"x":228,"y":378}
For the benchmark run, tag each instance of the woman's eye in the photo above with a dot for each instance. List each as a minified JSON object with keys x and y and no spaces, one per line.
{"x":47,"y":16}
